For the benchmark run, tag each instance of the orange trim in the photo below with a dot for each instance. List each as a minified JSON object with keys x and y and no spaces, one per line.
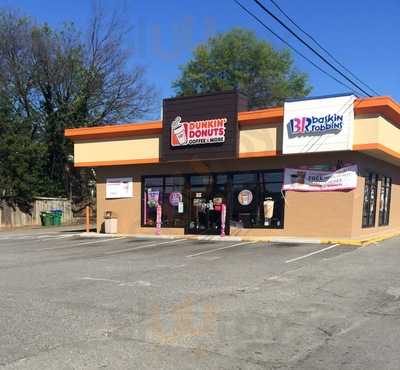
{"x":380,"y":105}
{"x":269,"y":153}
{"x":100,"y":132}
{"x":377,"y":146}
{"x":270,"y":115}
{"x":117,"y":163}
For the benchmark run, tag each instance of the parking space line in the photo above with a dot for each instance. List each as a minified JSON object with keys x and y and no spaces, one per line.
{"x":144,"y":246}
{"x":57,"y":237}
{"x":219,"y":249}
{"x":84,"y":243}
{"x":312,"y":253}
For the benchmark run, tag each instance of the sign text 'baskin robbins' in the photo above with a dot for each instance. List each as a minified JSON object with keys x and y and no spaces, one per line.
{"x":318,"y":125}
{"x":315,"y":124}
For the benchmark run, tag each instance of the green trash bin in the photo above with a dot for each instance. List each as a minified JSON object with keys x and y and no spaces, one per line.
{"x":46,"y":218}
{"x":57,"y":216}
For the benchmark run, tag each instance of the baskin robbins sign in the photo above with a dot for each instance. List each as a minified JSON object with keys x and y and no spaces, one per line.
{"x":209,"y":131}
{"x":318,"y":125}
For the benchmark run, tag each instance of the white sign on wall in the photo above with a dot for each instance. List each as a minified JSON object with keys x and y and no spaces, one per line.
{"x":119,"y":187}
{"x":312,"y":180}
{"x":318,"y":125}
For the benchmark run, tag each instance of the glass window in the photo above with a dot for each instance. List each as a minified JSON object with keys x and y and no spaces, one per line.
{"x":245,"y":178}
{"x":370,"y":194}
{"x":273,"y":199}
{"x":257,"y":200}
{"x":200,"y":180}
{"x":167,"y":192}
{"x":384,"y":203}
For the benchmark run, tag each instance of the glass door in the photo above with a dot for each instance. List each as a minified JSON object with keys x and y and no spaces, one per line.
{"x":207,"y":194}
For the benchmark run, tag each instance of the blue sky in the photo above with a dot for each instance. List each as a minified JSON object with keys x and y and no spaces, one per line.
{"x":363,"y":34}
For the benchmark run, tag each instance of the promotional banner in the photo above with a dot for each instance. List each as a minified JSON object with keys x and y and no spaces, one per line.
{"x":223,"y":220}
{"x":121,"y":187}
{"x":158,"y":220}
{"x":318,"y":125}
{"x":311,"y":180}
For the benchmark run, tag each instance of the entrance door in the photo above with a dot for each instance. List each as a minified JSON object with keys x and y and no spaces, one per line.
{"x":207,"y":194}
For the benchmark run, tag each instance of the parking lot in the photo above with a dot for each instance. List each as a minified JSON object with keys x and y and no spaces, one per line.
{"x":71,"y":302}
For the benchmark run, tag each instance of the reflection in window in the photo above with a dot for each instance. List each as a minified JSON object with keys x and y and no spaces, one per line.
{"x":384,"y":204}
{"x":257,"y":200}
{"x":167,"y":192}
{"x":370,"y":194}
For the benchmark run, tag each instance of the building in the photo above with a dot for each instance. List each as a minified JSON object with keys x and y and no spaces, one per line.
{"x":321,"y":167}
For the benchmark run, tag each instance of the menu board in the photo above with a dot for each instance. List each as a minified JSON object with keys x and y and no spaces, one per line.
{"x":119,"y":187}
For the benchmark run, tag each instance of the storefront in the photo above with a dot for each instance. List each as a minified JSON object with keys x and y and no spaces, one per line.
{"x":323,"y":167}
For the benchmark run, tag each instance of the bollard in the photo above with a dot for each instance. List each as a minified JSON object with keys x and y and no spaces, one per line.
{"x":87,"y":219}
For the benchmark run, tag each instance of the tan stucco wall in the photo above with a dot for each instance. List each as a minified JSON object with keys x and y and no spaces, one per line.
{"x":261,"y":138}
{"x":369,"y":130}
{"x":369,"y":164}
{"x":324,"y":215}
{"x":117,"y":149}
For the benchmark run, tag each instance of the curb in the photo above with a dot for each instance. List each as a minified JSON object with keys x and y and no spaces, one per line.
{"x":288,"y":240}
{"x":205,"y":238}
{"x":362,"y":242}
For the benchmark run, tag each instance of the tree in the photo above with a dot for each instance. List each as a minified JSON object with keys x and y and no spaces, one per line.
{"x":56,"y":79}
{"x":238,"y":60}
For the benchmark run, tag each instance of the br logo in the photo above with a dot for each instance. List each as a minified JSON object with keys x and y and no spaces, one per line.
{"x":182,"y":322}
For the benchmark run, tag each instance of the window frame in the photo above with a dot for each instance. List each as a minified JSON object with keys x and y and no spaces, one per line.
{"x":385,"y":198}
{"x":230,"y":174}
{"x":370,"y":187}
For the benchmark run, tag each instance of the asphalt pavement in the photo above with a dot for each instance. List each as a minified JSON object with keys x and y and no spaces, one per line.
{"x":70,"y":302}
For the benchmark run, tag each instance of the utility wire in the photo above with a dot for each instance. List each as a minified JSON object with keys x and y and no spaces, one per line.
{"x":324,"y":49}
{"x":294,"y":49}
{"x":261,"y":5}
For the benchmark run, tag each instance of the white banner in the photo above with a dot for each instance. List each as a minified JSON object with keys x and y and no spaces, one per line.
{"x":311,"y":180}
{"x":318,"y":125}
{"x":119,"y":187}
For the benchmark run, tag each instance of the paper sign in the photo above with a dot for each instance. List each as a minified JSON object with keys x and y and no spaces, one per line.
{"x":121,"y":187}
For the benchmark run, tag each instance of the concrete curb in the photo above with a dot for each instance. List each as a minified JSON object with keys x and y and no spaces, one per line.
{"x":286,"y":240}
{"x":206,"y":238}
{"x":362,"y":242}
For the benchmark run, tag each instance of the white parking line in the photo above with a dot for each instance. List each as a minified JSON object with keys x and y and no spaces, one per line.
{"x":57,"y":237}
{"x":218,"y":249}
{"x":311,"y":254}
{"x":84,"y":243}
{"x":143,"y":246}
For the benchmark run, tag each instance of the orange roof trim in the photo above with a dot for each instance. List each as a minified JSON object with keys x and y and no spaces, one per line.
{"x":100,"y":132}
{"x":381,"y":105}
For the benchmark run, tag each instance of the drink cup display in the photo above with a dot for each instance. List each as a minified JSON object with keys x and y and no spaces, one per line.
{"x":178,"y":130}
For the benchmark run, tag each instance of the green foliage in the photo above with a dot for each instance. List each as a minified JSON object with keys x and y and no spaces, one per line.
{"x":51,"y":80}
{"x":21,"y":160}
{"x":238,"y":60}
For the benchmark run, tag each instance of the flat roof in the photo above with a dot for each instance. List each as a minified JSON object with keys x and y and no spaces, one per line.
{"x":379,"y":105}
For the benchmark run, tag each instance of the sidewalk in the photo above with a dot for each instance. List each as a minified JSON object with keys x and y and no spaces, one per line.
{"x":38,"y":228}
{"x":287,"y":240}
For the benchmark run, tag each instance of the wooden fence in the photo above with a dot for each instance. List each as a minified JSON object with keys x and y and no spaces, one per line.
{"x":14,"y":216}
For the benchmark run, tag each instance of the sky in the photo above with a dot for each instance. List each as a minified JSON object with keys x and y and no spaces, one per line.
{"x":362,"y":34}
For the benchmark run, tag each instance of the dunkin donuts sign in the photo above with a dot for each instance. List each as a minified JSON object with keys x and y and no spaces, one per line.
{"x":210,"y":131}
